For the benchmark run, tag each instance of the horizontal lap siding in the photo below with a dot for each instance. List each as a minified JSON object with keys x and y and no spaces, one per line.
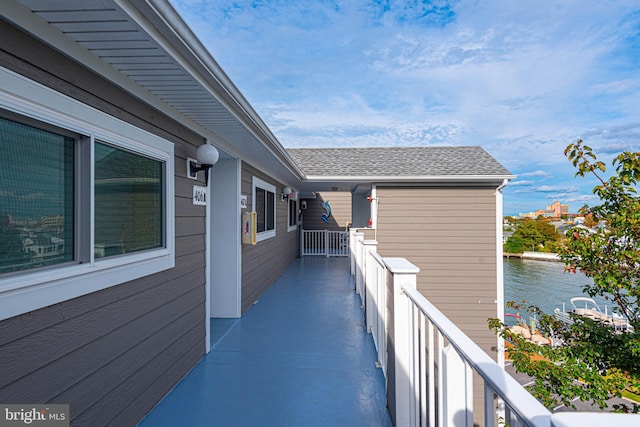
{"x":113,"y":354}
{"x":263,"y":263}
{"x":340,"y":203}
{"x":450,"y":233}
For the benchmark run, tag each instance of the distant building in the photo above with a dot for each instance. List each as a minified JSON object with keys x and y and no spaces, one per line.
{"x":556,"y":211}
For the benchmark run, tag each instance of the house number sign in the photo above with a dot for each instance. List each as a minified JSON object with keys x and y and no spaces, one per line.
{"x":199,"y":195}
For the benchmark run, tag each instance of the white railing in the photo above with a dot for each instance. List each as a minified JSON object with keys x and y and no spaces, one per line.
{"x":429,"y":363}
{"x":324,"y":243}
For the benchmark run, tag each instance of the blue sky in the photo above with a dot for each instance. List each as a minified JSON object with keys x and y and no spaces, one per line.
{"x":521,"y":78}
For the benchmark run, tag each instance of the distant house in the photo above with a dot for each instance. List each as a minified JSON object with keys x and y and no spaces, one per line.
{"x":103,"y":106}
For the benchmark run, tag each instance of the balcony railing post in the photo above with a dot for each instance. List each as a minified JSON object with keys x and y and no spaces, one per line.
{"x":360,"y":253}
{"x":352,"y":251}
{"x":356,"y":239}
{"x":401,"y":397}
{"x":370,"y":282}
{"x":378,"y":306}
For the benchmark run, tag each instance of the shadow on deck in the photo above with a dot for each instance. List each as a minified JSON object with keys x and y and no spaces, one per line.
{"x":299,"y":357}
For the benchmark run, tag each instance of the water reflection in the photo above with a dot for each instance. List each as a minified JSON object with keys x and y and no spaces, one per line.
{"x":543,"y":283}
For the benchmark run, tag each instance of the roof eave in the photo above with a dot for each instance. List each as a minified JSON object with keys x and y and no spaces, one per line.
{"x":416,"y":178}
{"x":235,"y":101}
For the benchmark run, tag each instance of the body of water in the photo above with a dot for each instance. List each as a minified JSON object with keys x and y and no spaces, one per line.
{"x":543,"y":283}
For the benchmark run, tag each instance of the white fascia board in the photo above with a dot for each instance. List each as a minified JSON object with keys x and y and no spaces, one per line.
{"x":182,"y":32}
{"x":392,"y":179}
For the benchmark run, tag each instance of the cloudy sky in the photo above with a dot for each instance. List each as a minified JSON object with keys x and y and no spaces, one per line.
{"x":521,"y":78}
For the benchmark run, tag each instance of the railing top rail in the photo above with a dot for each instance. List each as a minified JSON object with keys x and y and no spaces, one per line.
{"x":378,"y":259}
{"x":587,"y":419}
{"x":528,"y":409}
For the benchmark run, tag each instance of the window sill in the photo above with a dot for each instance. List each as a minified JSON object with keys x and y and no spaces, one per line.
{"x":265,"y":235}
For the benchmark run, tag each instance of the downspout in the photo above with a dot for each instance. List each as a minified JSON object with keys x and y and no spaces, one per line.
{"x":500,"y":268}
{"x":374,"y":212}
{"x":207,"y":272}
{"x":500,"y":284}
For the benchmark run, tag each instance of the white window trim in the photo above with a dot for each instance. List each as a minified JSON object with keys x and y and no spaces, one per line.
{"x":257,"y":182}
{"x":30,"y":290}
{"x":295,"y":226}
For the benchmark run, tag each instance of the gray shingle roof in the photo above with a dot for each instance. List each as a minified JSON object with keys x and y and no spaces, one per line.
{"x":397,"y":161}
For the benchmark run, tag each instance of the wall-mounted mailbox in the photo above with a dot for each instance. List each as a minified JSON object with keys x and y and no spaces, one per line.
{"x":249,"y":228}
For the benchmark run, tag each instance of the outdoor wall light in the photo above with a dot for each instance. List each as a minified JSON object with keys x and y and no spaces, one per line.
{"x":207,"y":156}
{"x":286,"y":192}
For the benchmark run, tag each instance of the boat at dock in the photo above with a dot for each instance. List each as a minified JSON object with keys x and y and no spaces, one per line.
{"x":587,"y":307}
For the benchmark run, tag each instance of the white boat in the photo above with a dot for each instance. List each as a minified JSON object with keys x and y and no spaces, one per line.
{"x":587,"y":307}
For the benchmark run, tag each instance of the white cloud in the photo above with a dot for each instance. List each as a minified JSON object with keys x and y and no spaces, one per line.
{"x":522,"y":79}
{"x":517,"y":183}
{"x":536,"y":173}
{"x":556,"y":188}
{"x":583,"y":199}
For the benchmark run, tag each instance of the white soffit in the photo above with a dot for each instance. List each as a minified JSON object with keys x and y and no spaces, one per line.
{"x":147,"y":42}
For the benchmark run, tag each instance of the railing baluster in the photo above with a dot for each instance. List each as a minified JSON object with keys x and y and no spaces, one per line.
{"x":432,"y":380}
{"x":440,"y":379}
{"x":469,"y":392}
{"x":489,"y":406}
{"x":415,"y":366}
{"x":423,"y":371}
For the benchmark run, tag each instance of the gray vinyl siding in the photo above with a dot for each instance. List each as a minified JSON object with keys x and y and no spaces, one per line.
{"x":340,"y":203}
{"x":450,"y":233}
{"x":113,"y":354}
{"x":263,"y":263}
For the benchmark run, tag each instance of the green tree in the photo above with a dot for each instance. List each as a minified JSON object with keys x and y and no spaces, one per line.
{"x":589,"y":221}
{"x":594,"y":362}
{"x":515,"y":245}
{"x":531,"y":235}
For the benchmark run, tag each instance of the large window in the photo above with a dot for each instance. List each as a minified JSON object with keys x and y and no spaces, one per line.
{"x":264,"y":203}
{"x":293,"y":215}
{"x":38,"y":223}
{"x":86,"y":200}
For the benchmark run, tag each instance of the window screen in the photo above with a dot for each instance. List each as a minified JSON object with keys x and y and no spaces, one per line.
{"x":36,"y":197}
{"x":260,"y":210}
{"x":265,"y":210}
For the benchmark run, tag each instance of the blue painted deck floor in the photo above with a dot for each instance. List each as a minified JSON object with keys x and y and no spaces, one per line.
{"x":299,"y":357}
